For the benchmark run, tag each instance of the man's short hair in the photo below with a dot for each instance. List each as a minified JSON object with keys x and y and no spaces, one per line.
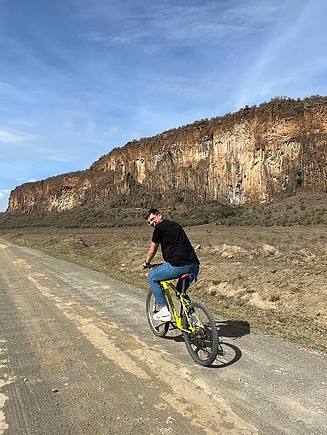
{"x":152,"y":211}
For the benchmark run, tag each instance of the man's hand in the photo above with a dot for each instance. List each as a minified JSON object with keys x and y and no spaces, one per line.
{"x":147,"y":265}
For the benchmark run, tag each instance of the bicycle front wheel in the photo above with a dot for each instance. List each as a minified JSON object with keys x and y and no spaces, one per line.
{"x":158,"y":327}
{"x":203,"y":343}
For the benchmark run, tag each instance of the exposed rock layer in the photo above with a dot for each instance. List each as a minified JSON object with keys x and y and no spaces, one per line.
{"x":255,"y":155}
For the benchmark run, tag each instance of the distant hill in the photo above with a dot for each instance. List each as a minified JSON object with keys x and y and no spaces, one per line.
{"x":257,"y":155}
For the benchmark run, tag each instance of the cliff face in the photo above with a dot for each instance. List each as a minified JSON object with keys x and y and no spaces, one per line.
{"x":255,"y":155}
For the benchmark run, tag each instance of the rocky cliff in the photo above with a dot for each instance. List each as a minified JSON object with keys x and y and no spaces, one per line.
{"x":255,"y":155}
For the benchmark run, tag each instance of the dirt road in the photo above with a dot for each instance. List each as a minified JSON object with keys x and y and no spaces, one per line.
{"x":77,"y":357}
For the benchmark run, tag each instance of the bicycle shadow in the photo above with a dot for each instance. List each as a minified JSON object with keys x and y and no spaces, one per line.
{"x":229,"y":353}
{"x":233,"y":328}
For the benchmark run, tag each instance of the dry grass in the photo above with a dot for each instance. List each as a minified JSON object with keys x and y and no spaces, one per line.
{"x":273,"y":278}
{"x":301,"y":209}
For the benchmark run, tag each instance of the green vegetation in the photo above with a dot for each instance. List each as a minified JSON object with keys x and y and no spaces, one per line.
{"x":293,"y":210}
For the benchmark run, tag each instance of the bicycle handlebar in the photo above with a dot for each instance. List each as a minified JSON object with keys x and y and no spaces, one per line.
{"x":151,"y":266}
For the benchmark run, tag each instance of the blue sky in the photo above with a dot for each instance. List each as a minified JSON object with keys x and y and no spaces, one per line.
{"x":80,"y":77}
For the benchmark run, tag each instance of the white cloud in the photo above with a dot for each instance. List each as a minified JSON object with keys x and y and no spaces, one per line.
{"x":4,"y":197}
{"x":4,"y":192}
{"x":186,"y":24}
{"x":288,"y":63}
{"x":10,"y":136}
{"x":24,"y":180}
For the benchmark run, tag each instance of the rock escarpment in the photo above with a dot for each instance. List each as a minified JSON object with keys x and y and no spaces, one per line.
{"x":255,"y":155}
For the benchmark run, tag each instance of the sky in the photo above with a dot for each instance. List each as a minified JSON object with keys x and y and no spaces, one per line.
{"x":80,"y":77}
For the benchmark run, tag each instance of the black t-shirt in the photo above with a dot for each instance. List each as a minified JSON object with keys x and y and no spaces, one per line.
{"x":175,"y":245}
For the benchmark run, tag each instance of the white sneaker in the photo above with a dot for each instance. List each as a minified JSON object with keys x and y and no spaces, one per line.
{"x":163,"y":315}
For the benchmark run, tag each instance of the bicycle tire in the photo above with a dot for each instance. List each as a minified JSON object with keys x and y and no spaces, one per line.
{"x":158,"y":327}
{"x":202,"y":344}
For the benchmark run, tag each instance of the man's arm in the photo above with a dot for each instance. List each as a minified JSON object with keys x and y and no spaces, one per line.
{"x":152,"y":252}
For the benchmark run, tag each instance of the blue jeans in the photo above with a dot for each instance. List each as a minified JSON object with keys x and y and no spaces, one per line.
{"x":167,"y":271}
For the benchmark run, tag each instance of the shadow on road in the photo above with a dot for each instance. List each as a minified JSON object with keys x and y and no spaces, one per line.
{"x":233,"y":328}
{"x":229,"y":353}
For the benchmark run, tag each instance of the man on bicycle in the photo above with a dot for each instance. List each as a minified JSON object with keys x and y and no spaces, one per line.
{"x":178,"y":254}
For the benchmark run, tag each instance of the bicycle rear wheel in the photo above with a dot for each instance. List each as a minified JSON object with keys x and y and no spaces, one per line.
{"x":158,"y":327}
{"x":203,"y":343}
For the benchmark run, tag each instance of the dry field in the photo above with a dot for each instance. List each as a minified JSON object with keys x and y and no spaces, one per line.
{"x":273,"y":279}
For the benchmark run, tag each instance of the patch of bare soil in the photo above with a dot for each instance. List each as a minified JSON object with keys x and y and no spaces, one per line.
{"x":274,"y":279}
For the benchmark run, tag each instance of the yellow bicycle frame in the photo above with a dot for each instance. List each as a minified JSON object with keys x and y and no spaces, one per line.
{"x":167,"y":286}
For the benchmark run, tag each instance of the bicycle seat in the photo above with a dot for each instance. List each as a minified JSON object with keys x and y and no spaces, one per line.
{"x":191,"y":276}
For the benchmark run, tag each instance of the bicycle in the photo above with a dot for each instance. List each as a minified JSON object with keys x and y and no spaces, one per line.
{"x":193,"y":319}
